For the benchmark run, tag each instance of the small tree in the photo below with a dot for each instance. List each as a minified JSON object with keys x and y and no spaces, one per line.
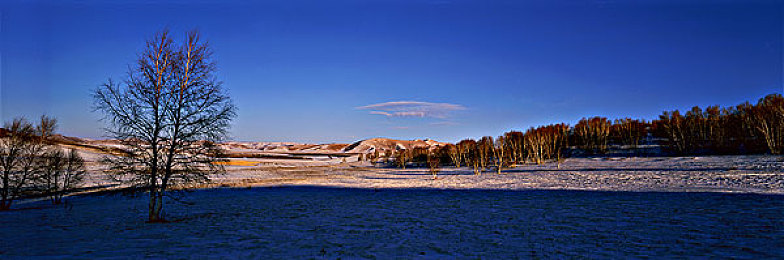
{"x":433,"y":163}
{"x":387,"y":157}
{"x":59,"y":171}
{"x":484,"y":150}
{"x":454,"y":154}
{"x":20,"y":151}
{"x":46,"y":127}
{"x":401,"y":158}
{"x":499,"y":153}
{"x":375,"y":157}
{"x":62,"y":171}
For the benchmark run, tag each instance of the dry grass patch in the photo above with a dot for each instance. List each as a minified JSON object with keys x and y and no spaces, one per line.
{"x":236,"y":163}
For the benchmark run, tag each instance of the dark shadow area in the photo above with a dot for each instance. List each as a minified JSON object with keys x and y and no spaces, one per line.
{"x":313,"y":188}
{"x":325,"y":222}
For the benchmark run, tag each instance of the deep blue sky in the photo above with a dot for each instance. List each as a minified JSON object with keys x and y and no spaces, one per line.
{"x":312,"y":71}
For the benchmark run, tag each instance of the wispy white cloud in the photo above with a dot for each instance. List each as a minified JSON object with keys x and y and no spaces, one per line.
{"x":413,"y":109}
{"x":410,"y":113}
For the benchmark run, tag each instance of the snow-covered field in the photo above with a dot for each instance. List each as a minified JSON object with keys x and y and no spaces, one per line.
{"x":329,"y":223}
{"x":754,"y":174}
{"x":276,"y":164}
{"x":334,"y":209}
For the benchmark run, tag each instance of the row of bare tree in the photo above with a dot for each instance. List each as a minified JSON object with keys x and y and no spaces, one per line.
{"x":745,"y":128}
{"x":32,"y":166}
{"x":593,"y":135}
{"x":512,"y":148}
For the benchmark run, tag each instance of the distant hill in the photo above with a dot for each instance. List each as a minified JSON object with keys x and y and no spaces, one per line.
{"x":388,"y":146}
{"x":367,"y":146}
{"x":283,"y":147}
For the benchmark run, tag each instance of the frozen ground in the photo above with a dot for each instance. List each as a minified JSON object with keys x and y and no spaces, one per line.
{"x":328,"y":223}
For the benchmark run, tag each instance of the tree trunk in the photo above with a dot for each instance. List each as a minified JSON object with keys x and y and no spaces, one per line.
{"x":5,"y":204}
{"x":57,"y":197}
{"x":155,"y":207}
{"x":159,"y":208}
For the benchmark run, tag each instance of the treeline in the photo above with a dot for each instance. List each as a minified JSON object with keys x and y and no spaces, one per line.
{"x":743,"y":129}
{"x":31,"y":165}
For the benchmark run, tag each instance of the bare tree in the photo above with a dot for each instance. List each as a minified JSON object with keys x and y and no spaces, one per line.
{"x":168,"y":114}
{"x":696,"y":130}
{"x":454,"y":154}
{"x":387,"y":157}
{"x":59,"y":171}
{"x":499,"y":153}
{"x":20,"y":149}
{"x":557,"y":141}
{"x":470,"y":154}
{"x":767,"y":118}
{"x":433,"y":163}
{"x":401,"y":158}
{"x":628,"y":131}
{"x":515,"y":144}
{"x":375,"y":157}
{"x":746,"y":137}
{"x":716,"y":126}
{"x":418,"y":155}
{"x":536,"y":144}
{"x":46,"y":127}
{"x":671,"y":125}
{"x":592,"y":134}
{"x":546,"y":142}
{"x":484,"y":151}
{"x":464,"y":148}
{"x":62,"y":171}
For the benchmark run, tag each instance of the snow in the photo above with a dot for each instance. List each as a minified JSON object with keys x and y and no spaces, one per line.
{"x":327,"y":223}
{"x":333,"y":209}
{"x":747,"y":174}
